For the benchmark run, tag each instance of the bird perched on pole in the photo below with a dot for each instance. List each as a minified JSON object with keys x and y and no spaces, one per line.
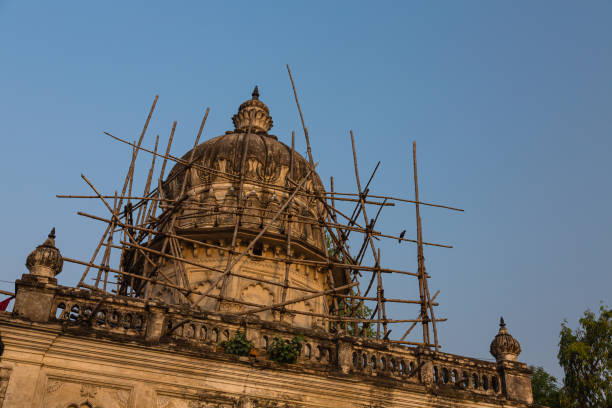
{"x":401,"y":236}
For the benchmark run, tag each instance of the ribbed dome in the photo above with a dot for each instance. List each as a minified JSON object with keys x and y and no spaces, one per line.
{"x":266,"y":159}
{"x":214,"y":205}
{"x":46,"y":259}
{"x":212,"y":185}
{"x":266,"y":156}
{"x":504,"y":346}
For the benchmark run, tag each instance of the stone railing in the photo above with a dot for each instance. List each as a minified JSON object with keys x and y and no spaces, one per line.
{"x":101,"y":313}
{"x":186,"y":330}
{"x":213,"y":330}
{"x":481,"y":377}
{"x":396,"y":362}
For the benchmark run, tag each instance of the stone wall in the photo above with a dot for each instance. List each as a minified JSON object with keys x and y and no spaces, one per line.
{"x":104,"y":351}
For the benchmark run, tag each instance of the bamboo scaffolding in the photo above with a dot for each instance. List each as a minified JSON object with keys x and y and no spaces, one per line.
{"x":149,"y":222}
{"x":175,"y":249}
{"x":252,"y":243}
{"x":213,"y":269}
{"x":319,"y":197}
{"x":292,"y":260}
{"x":114,"y":214}
{"x":150,"y":198}
{"x":227,"y":272}
{"x":267,"y":307}
{"x":232,"y":177}
{"x":306,"y":221}
{"x":413,"y":325}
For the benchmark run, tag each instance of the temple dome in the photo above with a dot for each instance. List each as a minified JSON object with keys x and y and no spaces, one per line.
{"x":266,"y":158}
{"x":267,"y":184}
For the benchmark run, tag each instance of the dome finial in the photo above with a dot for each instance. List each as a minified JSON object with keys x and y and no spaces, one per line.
{"x":504,"y":346}
{"x":254,"y":114}
{"x":46,"y":259}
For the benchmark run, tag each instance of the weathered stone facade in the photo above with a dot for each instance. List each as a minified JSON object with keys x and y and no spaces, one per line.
{"x":64,"y":347}
{"x":109,"y":351}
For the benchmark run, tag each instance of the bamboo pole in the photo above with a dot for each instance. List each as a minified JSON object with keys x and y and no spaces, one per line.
{"x":300,"y":299}
{"x":114,"y":215}
{"x":173,"y":247}
{"x":168,"y":200}
{"x":213,"y":269}
{"x":390,"y":300}
{"x":297,"y":102}
{"x":130,"y":173}
{"x":181,"y":289}
{"x":146,"y":287}
{"x":259,"y":257}
{"x":420,"y":257}
{"x":240,"y":198}
{"x":231,"y":177}
{"x":288,"y":215}
{"x":413,"y":325}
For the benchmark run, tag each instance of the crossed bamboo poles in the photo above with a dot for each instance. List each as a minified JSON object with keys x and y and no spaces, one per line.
{"x":153,"y":217}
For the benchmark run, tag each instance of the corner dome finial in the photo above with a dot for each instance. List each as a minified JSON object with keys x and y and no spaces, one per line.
{"x":45,"y":259}
{"x":504,"y":346}
{"x":253,"y":113}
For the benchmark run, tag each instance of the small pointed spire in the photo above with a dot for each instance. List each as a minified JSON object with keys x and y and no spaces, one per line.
{"x":501,"y":322}
{"x":255,"y":93}
{"x":52,"y":233}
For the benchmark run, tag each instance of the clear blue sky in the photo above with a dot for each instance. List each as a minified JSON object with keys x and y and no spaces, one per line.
{"x":509,"y":102}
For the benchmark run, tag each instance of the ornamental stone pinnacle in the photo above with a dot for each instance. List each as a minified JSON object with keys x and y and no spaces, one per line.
{"x":254,"y":110}
{"x":46,"y":259}
{"x":504,"y":346}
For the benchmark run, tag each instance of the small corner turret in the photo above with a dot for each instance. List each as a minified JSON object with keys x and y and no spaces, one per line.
{"x":504,"y":347}
{"x":515,"y":376}
{"x":46,"y":259}
{"x":35,"y":291}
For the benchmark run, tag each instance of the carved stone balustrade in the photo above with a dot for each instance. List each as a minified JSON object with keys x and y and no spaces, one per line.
{"x":180,"y":329}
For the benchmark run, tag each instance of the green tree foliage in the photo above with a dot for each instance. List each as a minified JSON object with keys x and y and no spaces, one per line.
{"x":355,"y":329}
{"x":361,"y":312}
{"x":544,"y":387}
{"x":285,"y":351}
{"x":238,"y":345}
{"x":586,"y":358}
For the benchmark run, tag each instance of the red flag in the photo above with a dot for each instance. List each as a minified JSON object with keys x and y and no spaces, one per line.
{"x":4,"y":304}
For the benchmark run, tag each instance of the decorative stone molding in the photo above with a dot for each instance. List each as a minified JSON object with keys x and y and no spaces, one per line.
{"x":254,"y":110}
{"x":34,"y":295}
{"x":5,"y":376}
{"x":62,"y":393}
